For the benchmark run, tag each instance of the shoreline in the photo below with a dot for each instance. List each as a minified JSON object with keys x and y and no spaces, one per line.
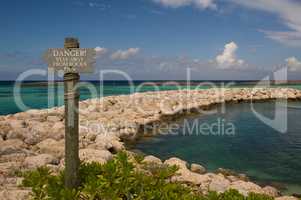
{"x":36,"y":137}
{"x":279,"y":185}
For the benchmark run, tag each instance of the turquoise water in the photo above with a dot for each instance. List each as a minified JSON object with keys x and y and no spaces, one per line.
{"x":256,"y":149}
{"x":36,"y":96}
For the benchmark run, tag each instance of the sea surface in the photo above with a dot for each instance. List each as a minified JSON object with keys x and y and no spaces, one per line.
{"x":255,"y":148}
{"x":38,"y":95}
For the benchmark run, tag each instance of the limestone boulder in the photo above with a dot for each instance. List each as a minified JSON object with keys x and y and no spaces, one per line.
{"x":286,"y":198}
{"x":186,"y":176}
{"x":58,"y":131}
{"x":219,"y":184}
{"x":270,"y":191}
{"x":54,"y":119}
{"x":12,"y":146}
{"x":52,"y":147}
{"x":35,"y":112}
{"x":17,"y":156}
{"x":17,"y":133}
{"x":16,"y":194}
{"x":198,"y":168}
{"x":16,"y":124}
{"x":233,"y":178}
{"x":33,"y":162}
{"x":93,"y":155}
{"x":109,"y":142}
{"x":176,"y":162}
{"x":32,"y":139}
{"x":246,"y":187}
{"x":8,"y":167}
{"x":152,"y":159}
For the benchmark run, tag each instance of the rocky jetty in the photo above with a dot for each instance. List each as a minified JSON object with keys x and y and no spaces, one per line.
{"x":36,"y":137}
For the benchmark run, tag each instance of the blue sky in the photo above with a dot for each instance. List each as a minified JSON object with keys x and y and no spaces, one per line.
{"x":157,"y":39}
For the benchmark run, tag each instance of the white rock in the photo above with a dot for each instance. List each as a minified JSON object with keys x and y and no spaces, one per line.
{"x":219,"y":184}
{"x":53,"y":147}
{"x":286,"y":198}
{"x":93,"y":155}
{"x":18,"y":133}
{"x":16,"y":124}
{"x":176,"y":162}
{"x":270,"y":191}
{"x":11,"y":146}
{"x":53,"y":119}
{"x":232,"y":178}
{"x":108,"y":142}
{"x":198,"y":168}
{"x":152,"y":159}
{"x":35,"y":112}
{"x":10,"y":167}
{"x":32,"y":139}
{"x":246,"y":187}
{"x":58,"y":131}
{"x":14,"y":194}
{"x":186,"y":176}
{"x":33,"y":162}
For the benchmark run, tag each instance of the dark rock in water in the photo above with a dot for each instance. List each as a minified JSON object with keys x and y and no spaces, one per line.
{"x":137,"y":151}
{"x":229,"y":172}
{"x":278,"y":185}
{"x":297,"y":195}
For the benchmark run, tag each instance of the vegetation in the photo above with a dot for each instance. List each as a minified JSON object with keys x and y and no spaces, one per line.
{"x":117,"y":180}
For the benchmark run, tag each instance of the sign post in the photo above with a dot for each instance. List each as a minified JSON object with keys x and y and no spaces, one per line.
{"x":71,"y":98}
{"x":72,"y":60}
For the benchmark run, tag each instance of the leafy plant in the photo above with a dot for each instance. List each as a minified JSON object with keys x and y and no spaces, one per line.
{"x":119,"y":179}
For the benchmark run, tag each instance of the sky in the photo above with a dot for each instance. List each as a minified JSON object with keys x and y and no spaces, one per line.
{"x":157,"y":39}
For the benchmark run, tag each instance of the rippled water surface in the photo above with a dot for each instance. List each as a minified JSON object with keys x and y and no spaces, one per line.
{"x":256,"y":149}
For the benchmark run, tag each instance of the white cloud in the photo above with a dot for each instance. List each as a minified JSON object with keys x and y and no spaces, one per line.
{"x":289,"y":38}
{"x":125,"y":54}
{"x":289,"y":12}
{"x":228,"y":58}
{"x":202,"y":4}
{"x":293,"y":64}
{"x":100,"y":51}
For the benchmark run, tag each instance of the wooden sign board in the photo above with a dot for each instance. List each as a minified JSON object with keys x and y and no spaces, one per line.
{"x":72,"y":60}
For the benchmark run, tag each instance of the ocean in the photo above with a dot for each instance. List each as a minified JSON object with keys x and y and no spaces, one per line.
{"x":254,"y":148}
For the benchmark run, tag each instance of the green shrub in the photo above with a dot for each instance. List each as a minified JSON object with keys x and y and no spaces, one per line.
{"x":118,"y":179}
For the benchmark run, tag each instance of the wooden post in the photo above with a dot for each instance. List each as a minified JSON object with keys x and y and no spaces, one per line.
{"x":71,"y":97}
